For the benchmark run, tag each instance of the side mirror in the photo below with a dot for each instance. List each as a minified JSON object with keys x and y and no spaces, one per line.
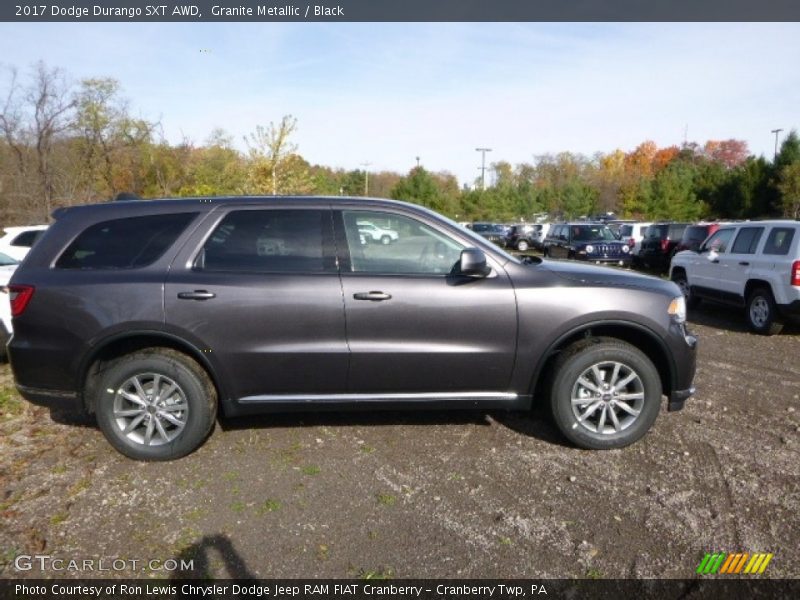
{"x":473,"y":263}
{"x":713,"y":255}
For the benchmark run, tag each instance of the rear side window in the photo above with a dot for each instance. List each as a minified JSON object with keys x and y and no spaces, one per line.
{"x":779,"y":241}
{"x":27,"y":238}
{"x":124,"y":243}
{"x":747,"y":240}
{"x":271,"y":241}
{"x":657,"y":231}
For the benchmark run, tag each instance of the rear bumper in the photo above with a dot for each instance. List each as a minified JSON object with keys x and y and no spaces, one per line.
{"x":790,"y":311}
{"x":58,"y":399}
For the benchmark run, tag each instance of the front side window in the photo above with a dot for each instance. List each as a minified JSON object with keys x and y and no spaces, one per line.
{"x":779,"y":241}
{"x":719,"y":241}
{"x":415,"y":249}
{"x":270,"y":241}
{"x":124,"y":243}
{"x":747,"y":240}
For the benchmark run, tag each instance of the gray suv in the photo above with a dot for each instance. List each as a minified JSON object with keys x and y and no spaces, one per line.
{"x":157,"y":316}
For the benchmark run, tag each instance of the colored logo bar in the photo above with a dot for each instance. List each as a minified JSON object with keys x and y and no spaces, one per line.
{"x":734,"y":564}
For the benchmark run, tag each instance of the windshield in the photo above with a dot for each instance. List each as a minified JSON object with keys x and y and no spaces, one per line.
{"x":591,"y":233}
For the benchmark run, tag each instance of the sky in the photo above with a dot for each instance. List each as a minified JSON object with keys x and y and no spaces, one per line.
{"x":385,"y":93}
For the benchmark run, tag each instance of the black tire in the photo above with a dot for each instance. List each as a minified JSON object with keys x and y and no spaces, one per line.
{"x":679,"y":278}
{"x":762,"y":313}
{"x":523,"y":246}
{"x":642,"y":394}
{"x":386,"y":240}
{"x":546,"y":252}
{"x":194,"y":391}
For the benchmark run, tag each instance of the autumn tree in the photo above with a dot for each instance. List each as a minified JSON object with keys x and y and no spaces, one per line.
{"x":270,"y":149}
{"x":34,"y":120}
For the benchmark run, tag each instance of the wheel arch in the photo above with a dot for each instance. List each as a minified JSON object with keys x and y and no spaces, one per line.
{"x":635,"y":334}
{"x":119,"y":345}
{"x":753,"y":284}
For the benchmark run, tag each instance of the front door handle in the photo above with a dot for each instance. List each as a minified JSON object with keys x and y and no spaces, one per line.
{"x":374,"y":296}
{"x":196,"y":295}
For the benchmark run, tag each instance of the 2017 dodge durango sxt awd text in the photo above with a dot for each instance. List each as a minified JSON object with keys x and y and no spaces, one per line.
{"x":157,"y":315}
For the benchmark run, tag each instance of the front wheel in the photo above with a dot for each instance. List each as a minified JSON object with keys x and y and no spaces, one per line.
{"x":522,"y":246}
{"x":762,"y":313}
{"x":386,"y":240}
{"x":155,"y":404}
{"x":605,"y":394}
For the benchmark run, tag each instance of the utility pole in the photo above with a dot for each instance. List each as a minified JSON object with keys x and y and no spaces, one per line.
{"x":366,"y":177}
{"x":776,"y":132}
{"x":417,"y":162}
{"x":483,"y":152}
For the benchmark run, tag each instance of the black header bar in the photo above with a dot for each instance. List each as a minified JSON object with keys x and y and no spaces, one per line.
{"x":399,"y":10}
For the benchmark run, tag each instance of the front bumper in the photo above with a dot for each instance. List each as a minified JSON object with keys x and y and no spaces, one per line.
{"x":678,"y":398}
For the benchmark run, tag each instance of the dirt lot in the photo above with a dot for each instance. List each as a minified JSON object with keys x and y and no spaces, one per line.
{"x":432,"y":495}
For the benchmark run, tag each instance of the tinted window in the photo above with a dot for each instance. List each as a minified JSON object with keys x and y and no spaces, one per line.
{"x":779,"y":241}
{"x":591,"y":233}
{"x":626,"y":230}
{"x":720,"y":241}
{"x":676,"y":231}
{"x":418,"y":249}
{"x":747,"y":240}
{"x":26,"y":238}
{"x":696,"y":233}
{"x":124,"y":243}
{"x":657,"y":231}
{"x":268,"y":241}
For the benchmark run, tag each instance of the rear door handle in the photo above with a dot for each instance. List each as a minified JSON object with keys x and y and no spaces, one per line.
{"x":374,"y":296}
{"x":196,"y":295}
{"x":744,"y":263}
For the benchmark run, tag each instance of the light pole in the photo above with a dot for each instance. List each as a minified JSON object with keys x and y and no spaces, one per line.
{"x":366,"y":177}
{"x":417,"y":162}
{"x":483,"y":152}
{"x":776,"y":132}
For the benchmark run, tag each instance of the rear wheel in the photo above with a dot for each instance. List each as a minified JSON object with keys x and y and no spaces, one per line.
{"x":386,"y":240}
{"x":605,"y":394}
{"x":522,"y":246}
{"x":762,"y":313}
{"x":155,"y":404}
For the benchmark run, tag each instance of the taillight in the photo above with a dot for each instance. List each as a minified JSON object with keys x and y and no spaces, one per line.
{"x":20,"y":295}
{"x":796,"y":273}
{"x":665,"y":245}
{"x":632,"y":242}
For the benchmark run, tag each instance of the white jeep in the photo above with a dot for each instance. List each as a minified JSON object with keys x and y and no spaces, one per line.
{"x":754,"y":264}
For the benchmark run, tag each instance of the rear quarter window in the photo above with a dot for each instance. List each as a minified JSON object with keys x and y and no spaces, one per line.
{"x":779,"y":241}
{"x":124,"y":243}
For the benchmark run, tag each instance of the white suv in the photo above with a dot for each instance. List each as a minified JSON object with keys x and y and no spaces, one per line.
{"x":17,"y":241}
{"x":754,"y":264}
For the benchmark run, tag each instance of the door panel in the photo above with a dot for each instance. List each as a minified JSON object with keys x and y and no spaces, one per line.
{"x":272,"y":317}
{"x":422,"y":332}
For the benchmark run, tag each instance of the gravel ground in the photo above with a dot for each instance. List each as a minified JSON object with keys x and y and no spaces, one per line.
{"x":429,"y":495}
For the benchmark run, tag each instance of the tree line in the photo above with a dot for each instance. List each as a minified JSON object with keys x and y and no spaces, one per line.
{"x":64,"y":143}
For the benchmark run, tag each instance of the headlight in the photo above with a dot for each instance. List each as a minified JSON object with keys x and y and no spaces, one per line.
{"x":677,"y":309}
{"x":626,"y":249}
{"x":589,"y":249}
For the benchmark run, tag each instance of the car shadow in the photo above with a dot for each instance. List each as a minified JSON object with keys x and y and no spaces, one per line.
{"x":534,"y":424}
{"x":728,"y":318}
